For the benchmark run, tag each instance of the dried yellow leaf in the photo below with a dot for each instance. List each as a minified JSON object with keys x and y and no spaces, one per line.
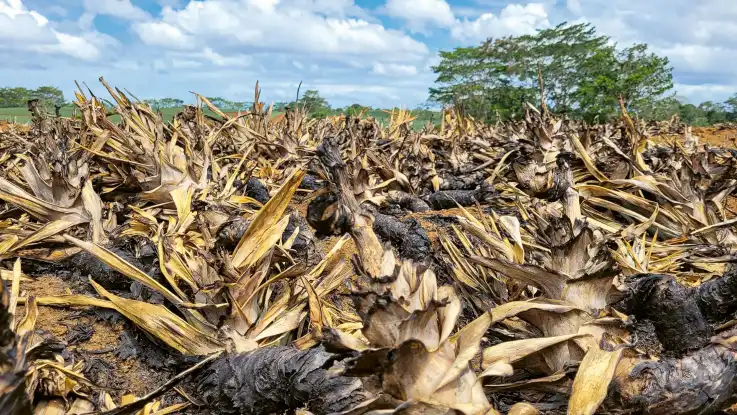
{"x":163,"y":324}
{"x":592,"y":380}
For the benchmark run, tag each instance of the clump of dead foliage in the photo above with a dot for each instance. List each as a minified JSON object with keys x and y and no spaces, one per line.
{"x":542,"y":266}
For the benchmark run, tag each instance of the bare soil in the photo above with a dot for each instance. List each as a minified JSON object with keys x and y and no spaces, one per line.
{"x":100,"y":338}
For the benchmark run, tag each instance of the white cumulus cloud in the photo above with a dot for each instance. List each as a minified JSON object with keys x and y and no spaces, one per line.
{"x":27,"y":30}
{"x":393,"y":69}
{"x":514,"y":19}
{"x":278,"y":26}
{"x":421,"y":13}
{"x":123,"y":9}
{"x":349,"y":53}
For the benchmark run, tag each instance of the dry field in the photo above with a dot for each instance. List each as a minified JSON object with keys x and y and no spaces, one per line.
{"x":263,"y":264}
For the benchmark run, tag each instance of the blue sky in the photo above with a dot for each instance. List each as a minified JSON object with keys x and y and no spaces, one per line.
{"x":377,"y":52}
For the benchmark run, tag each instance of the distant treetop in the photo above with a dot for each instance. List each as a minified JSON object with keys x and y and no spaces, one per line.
{"x":581,"y":73}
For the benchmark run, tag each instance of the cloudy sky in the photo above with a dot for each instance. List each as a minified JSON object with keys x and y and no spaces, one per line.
{"x":377,"y":52}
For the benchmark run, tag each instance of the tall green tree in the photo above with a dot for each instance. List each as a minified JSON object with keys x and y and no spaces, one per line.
{"x":49,"y":95}
{"x":581,"y":74}
{"x":477,"y":80}
{"x":715,"y":112}
{"x":693,"y":115}
{"x":162,"y":103}
{"x":659,"y":110}
{"x":314,"y":102}
{"x":731,"y":107}
{"x":639,"y":77}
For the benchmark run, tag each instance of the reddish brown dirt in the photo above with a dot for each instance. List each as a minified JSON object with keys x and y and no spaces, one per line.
{"x":716,"y":136}
{"x":128,"y":376}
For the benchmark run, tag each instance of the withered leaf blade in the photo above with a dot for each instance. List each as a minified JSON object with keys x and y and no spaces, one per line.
{"x":53,"y":407}
{"x":315,"y":305}
{"x":514,"y":308}
{"x":592,"y":380}
{"x":14,"y":288}
{"x":287,"y":322}
{"x":497,"y":359}
{"x":93,"y":206}
{"x":38,"y":208}
{"x":550,"y":282}
{"x":468,"y":344}
{"x":163,"y":324}
{"x":70,"y":301}
{"x":117,"y":263}
{"x":49,"y":229}
{"x":253,"y":245}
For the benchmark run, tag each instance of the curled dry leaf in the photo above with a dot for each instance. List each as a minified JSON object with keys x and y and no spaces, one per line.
{"x":592,"y":380}
{"x":163,"y":324}
{"x":498,"y":359}
{"x":267,"y":226}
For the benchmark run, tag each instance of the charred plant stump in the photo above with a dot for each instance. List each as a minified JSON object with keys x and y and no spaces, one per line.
{"x":407,"y":236}
{"x":310,"y":182}
{"x":679,"y":323}
{"x":682,"y":316}
{"x":450,"y":199}
{"x":347,"y":210}
{"x":468,"y":181}
{"x":324,"y":217}
{"x":408,"y":201}
{"x":717,"y":298}
{"x":278,"y":379}
{"x":702,"y":382}
{"x":257,"y":190}
{"x":699,"y":373}
{"x":231,"y":232}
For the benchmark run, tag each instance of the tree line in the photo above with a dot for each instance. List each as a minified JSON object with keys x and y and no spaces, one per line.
{"x":571,"y":69}
{"x":706,"y":113}
{"x":311,"y":101}
{"x":18,"y":97}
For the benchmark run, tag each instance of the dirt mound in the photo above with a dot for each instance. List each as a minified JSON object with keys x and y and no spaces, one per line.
{"x":722,"y":136}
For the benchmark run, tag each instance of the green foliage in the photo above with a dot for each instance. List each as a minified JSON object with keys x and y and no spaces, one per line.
{"x":314,"y":102}
{"x":662,"y":109}
{"x":227,"y":105}
{"x":321,"y":113}
{"x":49,"y":95}
{"x":162,"y":103}
{"x":731,"y":104}
{"x":478,"y":80}
{"x":280,"y":106}
{"x":355,"y":110}
{"x":704,"y":114}
{"x":582,"y":75}
{"x":18,"y":97}
{"x":715,"y":113}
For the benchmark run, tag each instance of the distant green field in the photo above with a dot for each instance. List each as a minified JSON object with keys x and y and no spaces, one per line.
{"x":21,"y":115}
